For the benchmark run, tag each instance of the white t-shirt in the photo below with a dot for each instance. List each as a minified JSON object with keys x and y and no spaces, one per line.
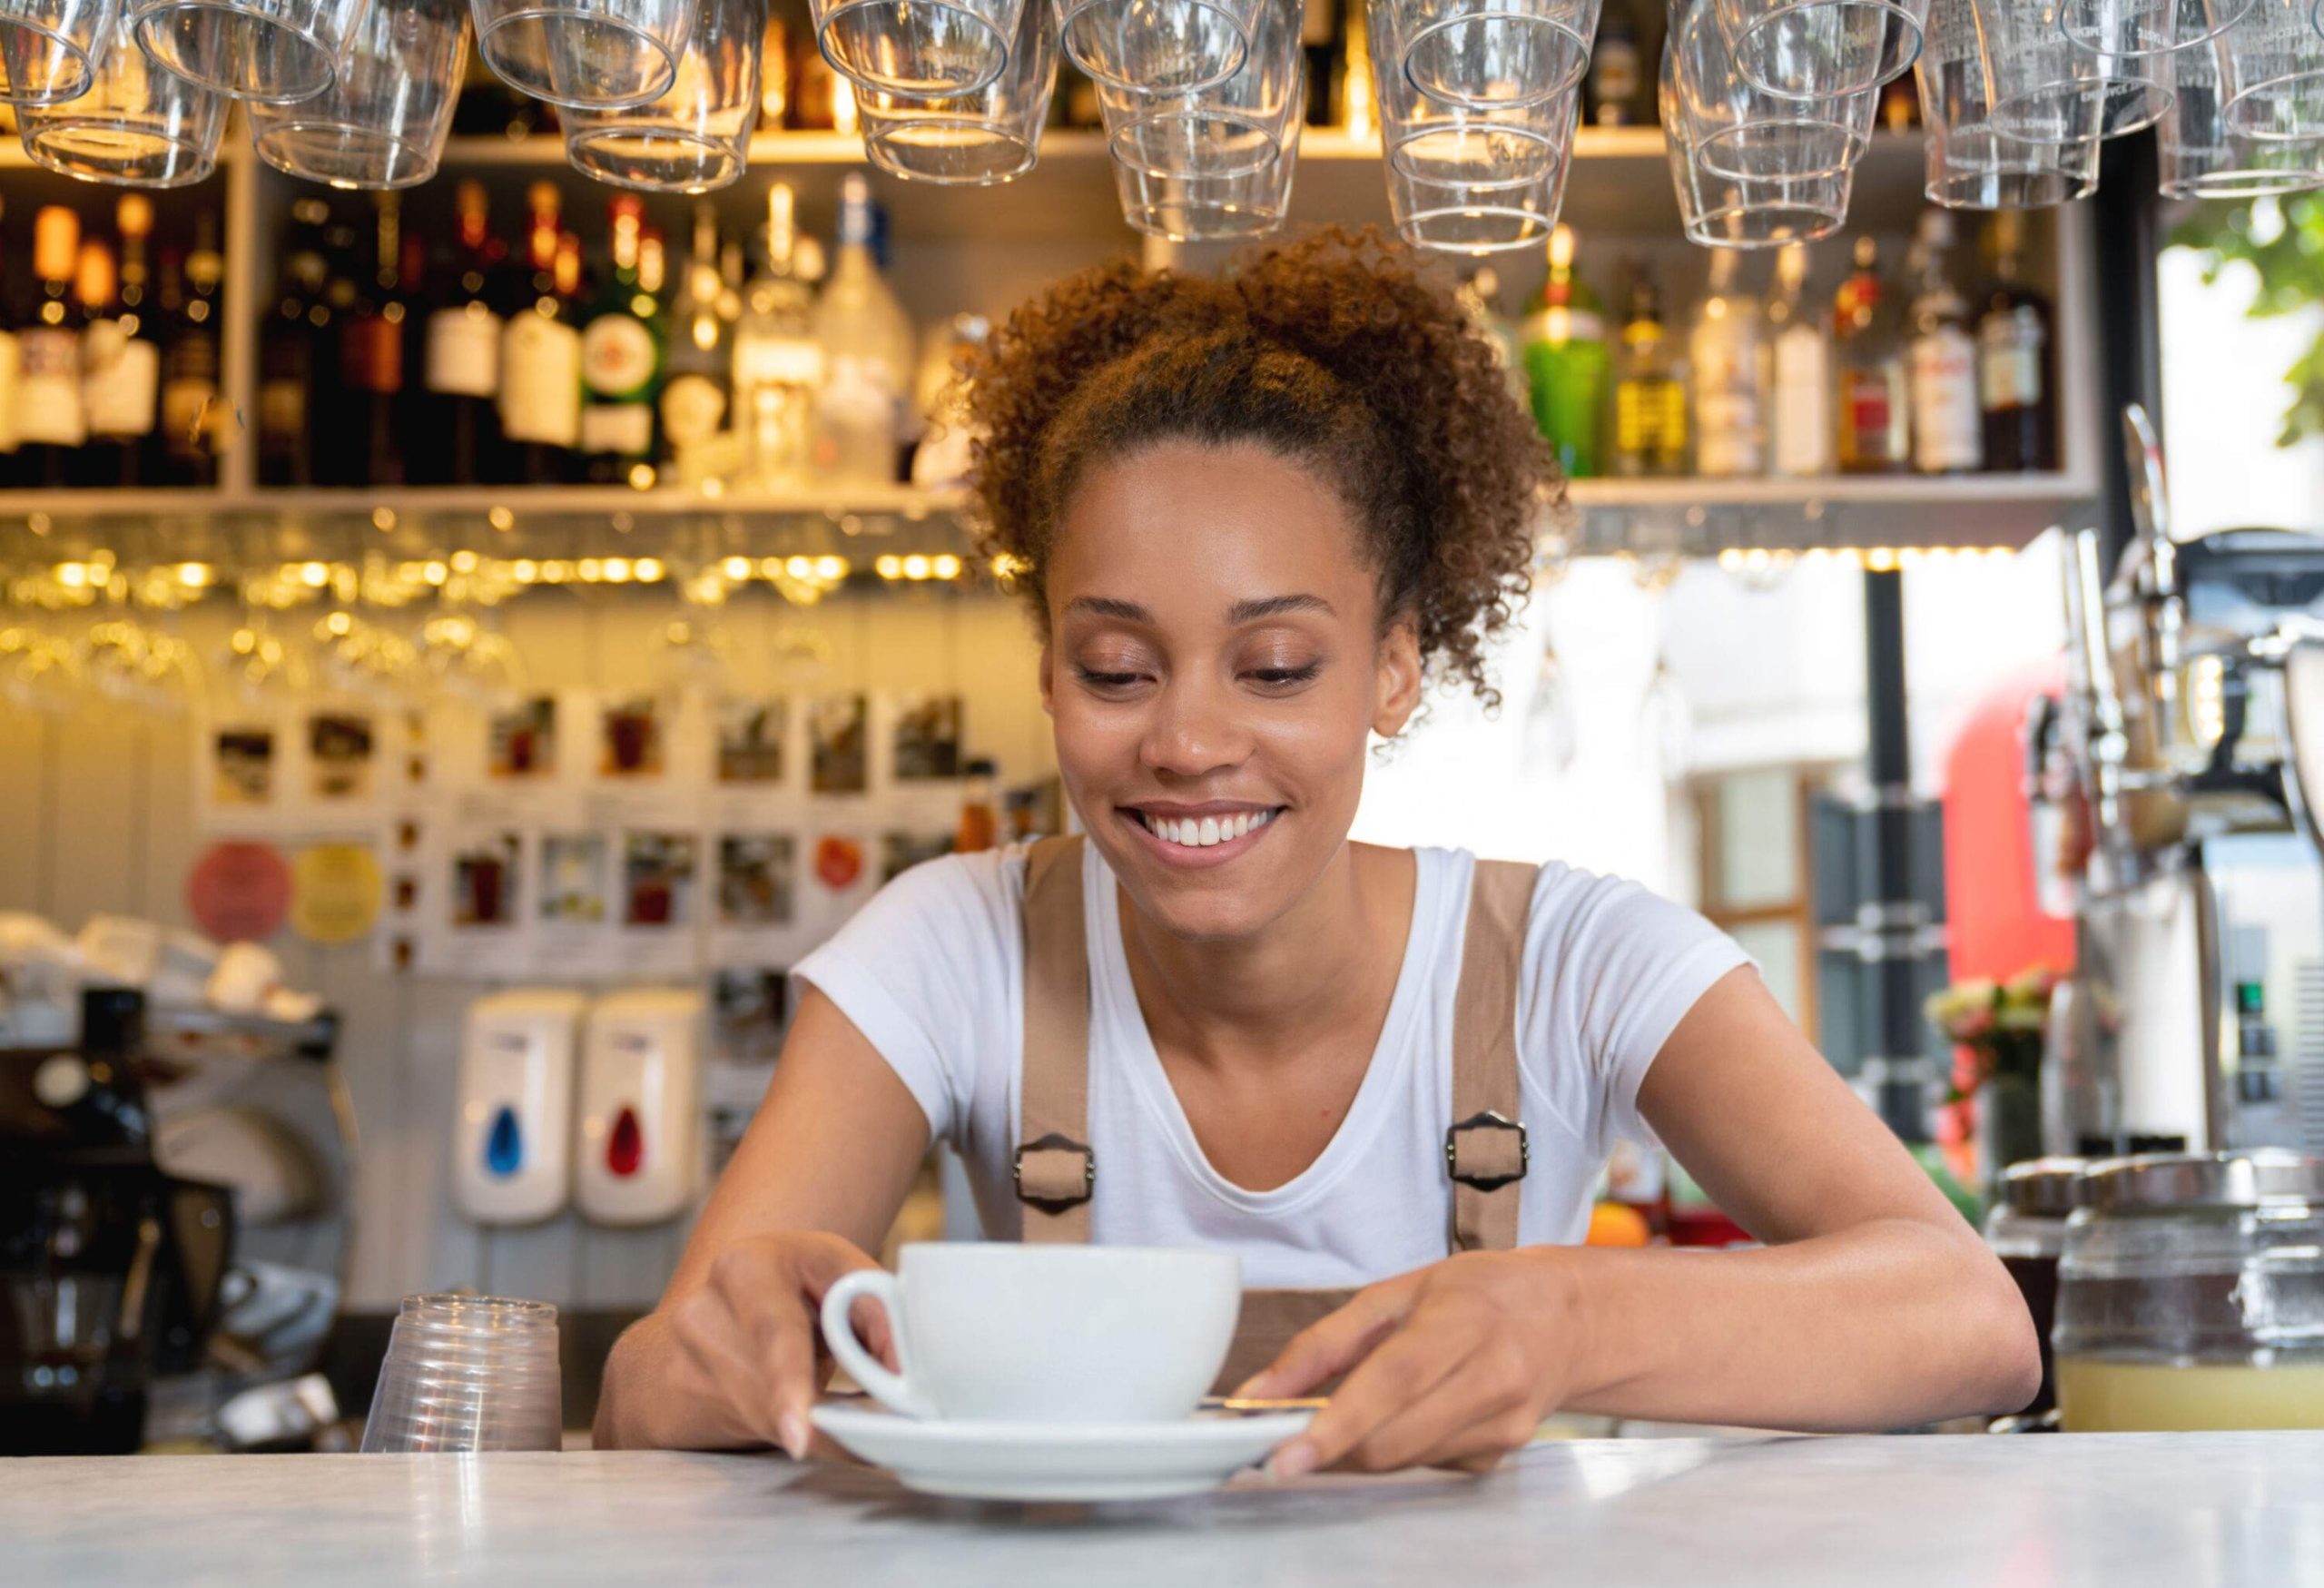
{"x":931,"y":971}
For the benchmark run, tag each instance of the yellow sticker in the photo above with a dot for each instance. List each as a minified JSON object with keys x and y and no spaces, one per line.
{"x":336,"y":893}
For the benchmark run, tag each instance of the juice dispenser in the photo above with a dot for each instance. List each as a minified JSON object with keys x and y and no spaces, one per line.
{"x":639,"y":1145}
{"x":513,"y":1135}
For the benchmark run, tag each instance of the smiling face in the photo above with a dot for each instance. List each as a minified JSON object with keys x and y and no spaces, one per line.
{"x":1216,"y":660}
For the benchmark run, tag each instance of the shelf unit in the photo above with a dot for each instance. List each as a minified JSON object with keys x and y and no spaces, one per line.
{"x":986,"y":249}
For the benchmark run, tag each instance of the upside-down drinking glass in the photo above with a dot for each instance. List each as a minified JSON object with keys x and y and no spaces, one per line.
{"x":2272,"y":72}
{"x":2011,"y":60}
{"x":1973,"y":163}
{"x":1486,"y":53}
{"x":2204,"y":157}
{"x":1160,"y":47}
{"x":1720,"y":211}
{"x":1738,"y":129}
{"x":923,"y":49}
{"x":50,"y":49}
{"x":972,"y":140}
{"x":1822,"y":49}
{"x":1228,"y":128}
{"x":136,"y":125}
{"x":1208,"y":209}
{"x":383,"y":122}
{"x":2145,"y":28}
{"x":696,"y":136}
{"x":271,"y":50}
{"x":583,"y":55}
{"x":468,"y":1374}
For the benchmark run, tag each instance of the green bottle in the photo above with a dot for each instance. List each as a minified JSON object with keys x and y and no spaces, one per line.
{"x":1566,"y":364}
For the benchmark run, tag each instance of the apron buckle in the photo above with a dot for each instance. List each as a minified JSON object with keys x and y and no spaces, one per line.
{"x":1487,"y":1163}
{"x":1055,"y":1172}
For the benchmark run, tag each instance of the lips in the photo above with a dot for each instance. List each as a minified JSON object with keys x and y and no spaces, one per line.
{"x":1206,"y":830}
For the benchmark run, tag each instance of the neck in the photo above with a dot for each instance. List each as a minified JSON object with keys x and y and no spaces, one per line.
{"x":1330,"y":962}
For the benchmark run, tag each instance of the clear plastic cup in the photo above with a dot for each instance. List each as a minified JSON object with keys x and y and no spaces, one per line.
{"x":1208,"y":209}
{"x":1432,"y":142}
{"x":50,"y":50}
{"x":2145,"y":28}
{"x":584,"y":55}
{"x":917,"y":48}
{"x":1230,"y":128}
{"x":970,"y":140}
{"x":1720,"y":210}
{"x":2010,"y":60}
{"x":383,"y":122}
{"x":1486,"y":53}
{"x":1824,"y":49}
{"x":1160,"y":47}
{"x":1740,"y":130}
{"x":2271,"y":67}
{"x":467,"y":1374}
{"x":137,"y":125}
{"x":276,"y":51}
{"x":697,"y":135}
{"x":2204,"y":157}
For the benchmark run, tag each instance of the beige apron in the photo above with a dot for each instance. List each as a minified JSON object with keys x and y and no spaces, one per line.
{"x":1485,"y":1152}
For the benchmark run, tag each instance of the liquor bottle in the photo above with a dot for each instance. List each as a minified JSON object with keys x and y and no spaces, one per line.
{"x":1323,"y":40}
{"x":699,"y":356}
{"x":49,"y":422}
{"x":540,"y":356}
{"x":287,"y":343}
{"x":193,"y":414}
{"x":120,"y":376}
{"x":621,"y":360}
{"x":1796,"y":352}
{"x":2017,"y":368}
{"x":867,"y":343}
{"x":1941,"y":361}
{"x":11,"y":364}
{"x":459,"y":424}
{"x":778,"y":361}
{"x":334,"y":434}
{"x":1478,"y":295}
{"x":136,"y":381}
{"x":1566,"y":364}
{"x":372,"y":358}
{"x":1614,"y":76}
{"x":1650,"y":403}
{"x":1871,"y":398}
{"x":1723,"y":359}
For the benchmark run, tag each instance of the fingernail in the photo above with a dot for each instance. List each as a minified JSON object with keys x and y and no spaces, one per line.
{"x":791,"y":1429}
{"x":1293,"y":1461}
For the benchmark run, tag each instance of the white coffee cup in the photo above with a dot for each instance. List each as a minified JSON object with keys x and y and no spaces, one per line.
{"x":996,"y":1331}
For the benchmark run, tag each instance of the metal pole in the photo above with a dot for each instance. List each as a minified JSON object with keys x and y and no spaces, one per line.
{"x":1891,"y":924}
{"x":2126,"y":238}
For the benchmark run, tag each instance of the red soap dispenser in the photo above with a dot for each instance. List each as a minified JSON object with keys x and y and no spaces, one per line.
{"x":638,"y":1154}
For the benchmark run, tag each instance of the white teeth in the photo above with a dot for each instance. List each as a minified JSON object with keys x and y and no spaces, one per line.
{"x":1206,"y":831}
{"x":1209,"y":835}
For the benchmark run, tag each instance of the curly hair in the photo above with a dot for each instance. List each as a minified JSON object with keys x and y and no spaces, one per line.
{"x":1338,"y":352}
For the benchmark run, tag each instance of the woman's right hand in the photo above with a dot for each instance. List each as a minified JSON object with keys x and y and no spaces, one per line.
{"x":737,"y":1358}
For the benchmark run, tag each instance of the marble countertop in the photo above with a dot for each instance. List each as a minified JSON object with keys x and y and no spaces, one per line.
{"x":2222,"y":1510}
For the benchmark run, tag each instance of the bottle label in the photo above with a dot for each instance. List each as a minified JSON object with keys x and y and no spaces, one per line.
{"x":464,"y":350}
{"x":617,"y":356}
{"x":190,"y":415}
{"x":693,"y":407}
{"x":540,"y":382}
{"x":1870,"y":411}
{"x":2009,"y":360}
{"x":371,"y":351}
{"x":624,"y":427}
{"x":48,"y":387}
{"x":1649,"y":419}
{"x":1726,"y":432}
{"x":283,"y":411}
{"x":773,"y":361}
{"x":120,"y":380}
{"x":1802,"y":398}
{"x":1947,"y":430}
{"x":11,"y":368}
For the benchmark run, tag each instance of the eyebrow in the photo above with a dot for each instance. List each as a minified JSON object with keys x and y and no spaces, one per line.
{"x":1242,"y":612}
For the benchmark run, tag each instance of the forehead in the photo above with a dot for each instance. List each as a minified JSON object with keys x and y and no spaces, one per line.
{"x":1187,"y":526}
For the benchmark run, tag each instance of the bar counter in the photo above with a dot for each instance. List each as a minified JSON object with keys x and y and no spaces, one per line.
{"x":2224,"y":1510}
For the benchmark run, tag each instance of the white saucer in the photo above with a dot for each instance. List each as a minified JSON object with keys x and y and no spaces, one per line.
{"x":1059,"y":1460}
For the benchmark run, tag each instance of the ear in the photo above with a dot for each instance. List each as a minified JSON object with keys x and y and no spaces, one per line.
{"x":1398,"y":685}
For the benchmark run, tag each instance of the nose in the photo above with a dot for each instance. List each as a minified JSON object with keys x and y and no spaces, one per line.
{"x":1195,"y":729}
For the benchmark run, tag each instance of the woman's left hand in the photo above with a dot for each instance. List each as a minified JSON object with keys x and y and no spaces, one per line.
{"x":1454,"y":1364}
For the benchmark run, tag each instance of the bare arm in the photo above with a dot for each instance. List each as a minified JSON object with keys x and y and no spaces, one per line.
{"x":728,"y":1358}
{"x":1872,"y":1305}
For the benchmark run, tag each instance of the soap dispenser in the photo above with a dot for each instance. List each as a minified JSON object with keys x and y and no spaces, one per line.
{"x":513,"y":1132}
{"x":638,"y":1152}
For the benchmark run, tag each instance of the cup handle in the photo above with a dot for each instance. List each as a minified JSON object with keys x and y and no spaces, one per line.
{"x":888,"y":1388}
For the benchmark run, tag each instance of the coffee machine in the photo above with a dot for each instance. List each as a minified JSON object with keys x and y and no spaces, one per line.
{"x":2167,"y":796}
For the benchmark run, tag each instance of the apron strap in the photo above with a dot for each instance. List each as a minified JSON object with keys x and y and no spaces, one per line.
{"x":1055,"y":1172}
{"x":1486,"y":1151}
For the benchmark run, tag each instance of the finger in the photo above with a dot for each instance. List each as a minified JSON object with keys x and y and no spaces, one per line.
{"x":1458,"y":1417}
{"x":1332,"y":1345}
{"x":793,"y":1375}
{"x":1404,"y":1368}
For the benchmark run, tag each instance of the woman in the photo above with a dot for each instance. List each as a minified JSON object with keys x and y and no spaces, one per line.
{"x":1257,"y":517}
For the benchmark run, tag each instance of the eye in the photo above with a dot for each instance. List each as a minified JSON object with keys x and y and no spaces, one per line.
{"x":1098,"y":680}
{"x":1284,"y":677}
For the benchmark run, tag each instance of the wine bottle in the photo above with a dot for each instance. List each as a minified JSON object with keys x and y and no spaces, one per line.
{"x":119,"y":376}
{"x":459,"y":421}
{"x":699,"y":354}
{"x":372,"y":356}
{"x":540,"y":354}
{"x":50,"y":422}
{"x":286,"y":351}
{"x":621,"y":360}
{"x":192,"y":416}
{"x":2018,"y":361}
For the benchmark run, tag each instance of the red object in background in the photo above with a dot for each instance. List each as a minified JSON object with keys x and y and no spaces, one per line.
{"x":239,"y":892}
{"x":1994,"y":924}
{"x":838,"y":863}
{"x":625,"y":1145}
